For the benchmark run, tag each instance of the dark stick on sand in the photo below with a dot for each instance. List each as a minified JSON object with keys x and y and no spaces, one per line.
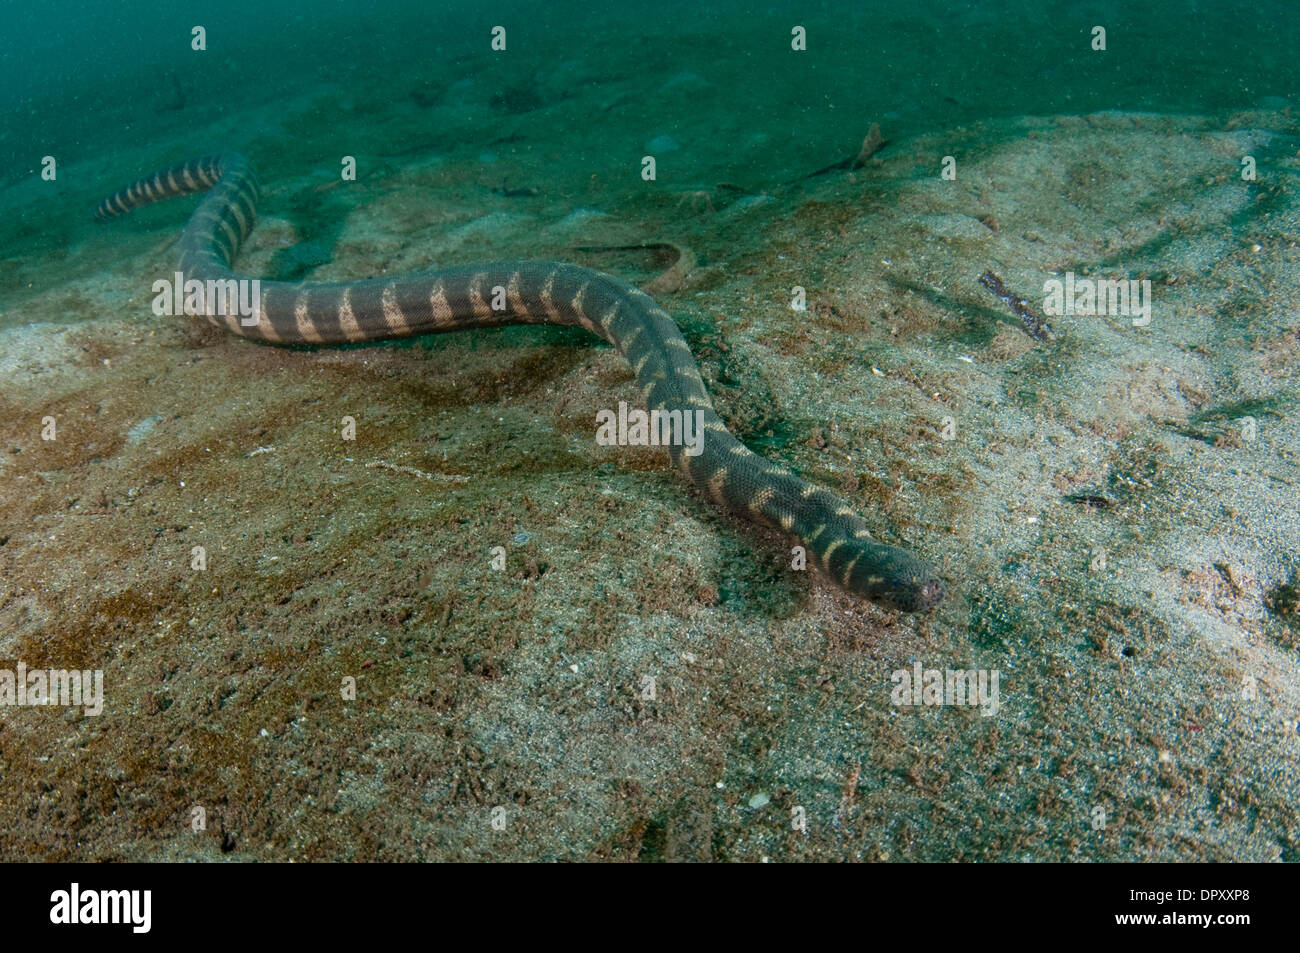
{"x":1035,"y":326}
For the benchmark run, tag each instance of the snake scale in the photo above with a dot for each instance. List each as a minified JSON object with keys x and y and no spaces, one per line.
{"x":535,"y":292}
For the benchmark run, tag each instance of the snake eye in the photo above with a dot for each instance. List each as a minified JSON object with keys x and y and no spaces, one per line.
{"x":928,"y":595}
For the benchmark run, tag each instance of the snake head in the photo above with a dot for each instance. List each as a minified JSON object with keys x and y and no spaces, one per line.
{"x":887,"y":575}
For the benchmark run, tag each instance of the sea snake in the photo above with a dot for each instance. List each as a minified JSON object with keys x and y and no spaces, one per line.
{"x":533,"y":292}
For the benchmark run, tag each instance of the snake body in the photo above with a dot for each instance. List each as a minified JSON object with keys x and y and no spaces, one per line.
{"x":453,"y":299}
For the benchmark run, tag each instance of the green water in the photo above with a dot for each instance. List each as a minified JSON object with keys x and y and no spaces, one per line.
{"x":87,"y":77}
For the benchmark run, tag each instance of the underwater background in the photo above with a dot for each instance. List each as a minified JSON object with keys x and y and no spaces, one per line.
{"x":1114,"y":509}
